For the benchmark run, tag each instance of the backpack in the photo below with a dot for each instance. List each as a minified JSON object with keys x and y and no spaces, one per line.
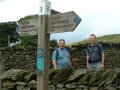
{"x":57,"y":53}
{"x":98,"y":46}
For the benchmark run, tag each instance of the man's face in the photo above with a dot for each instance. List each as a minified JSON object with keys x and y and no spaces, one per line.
{"x":92,"y":39}
{"x":61,"y":44}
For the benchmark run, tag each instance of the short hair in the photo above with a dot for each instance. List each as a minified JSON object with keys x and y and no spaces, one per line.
{"x":93,"y":35}
{"x":62,"y":40}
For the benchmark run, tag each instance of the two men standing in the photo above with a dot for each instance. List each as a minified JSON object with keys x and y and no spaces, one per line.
{"x":95,"y":55}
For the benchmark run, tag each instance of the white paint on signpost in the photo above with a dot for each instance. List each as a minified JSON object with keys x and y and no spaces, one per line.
{"x":45,"y":8}
{"x":63,"y":22}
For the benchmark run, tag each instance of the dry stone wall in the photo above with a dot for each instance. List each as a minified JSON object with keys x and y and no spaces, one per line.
{"x":24,"y":57}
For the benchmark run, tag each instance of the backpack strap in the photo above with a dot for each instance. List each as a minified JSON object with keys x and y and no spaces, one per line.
{"x":57,"y":54}
{"x":88,"y":48}
{"x":98,"y":45}
{"x":67,"y":50}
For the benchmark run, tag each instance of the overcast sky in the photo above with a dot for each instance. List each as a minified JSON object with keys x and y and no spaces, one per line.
{"x":101,"y":17}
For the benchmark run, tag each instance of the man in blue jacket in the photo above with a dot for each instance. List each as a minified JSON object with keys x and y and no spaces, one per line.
{"x":61,"y":56}
{"x":95,"y":54}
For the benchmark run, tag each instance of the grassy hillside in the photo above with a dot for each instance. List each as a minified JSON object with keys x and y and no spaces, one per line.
{"x":107,"y":38}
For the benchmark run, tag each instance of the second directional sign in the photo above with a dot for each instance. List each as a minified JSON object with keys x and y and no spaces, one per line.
{"x":63,"y":22}
{"x":57,"y":23}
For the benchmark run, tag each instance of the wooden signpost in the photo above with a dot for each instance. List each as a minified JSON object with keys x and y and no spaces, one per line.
{"x":43,"y":46}
{"x":47,"y":24}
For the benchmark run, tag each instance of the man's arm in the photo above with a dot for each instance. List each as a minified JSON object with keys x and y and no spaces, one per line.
{"x":102,"y":62}
{"x":103,"y":58}
{"x":87,"y":59}
{"x":70,"y":63}
{"x":87,"y":53}
{"x":54,"y":58}
{"x":102,"y":53}
{"x":54,"y":64}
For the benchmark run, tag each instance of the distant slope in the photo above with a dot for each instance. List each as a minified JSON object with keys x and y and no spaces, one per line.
{"x":107,"y":38}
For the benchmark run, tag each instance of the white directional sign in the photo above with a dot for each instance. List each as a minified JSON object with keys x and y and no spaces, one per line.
{"x":63,"y":22}
{"x":28,"y":27}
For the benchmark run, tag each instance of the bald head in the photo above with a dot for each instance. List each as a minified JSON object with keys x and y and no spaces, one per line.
{"x":61,"y":43}
{"x":92,"y":39}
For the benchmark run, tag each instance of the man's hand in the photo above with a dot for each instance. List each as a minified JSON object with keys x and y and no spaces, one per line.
{"x":102,"y":62}
{"x":102,"y":65}
{"x":54,"y":64}
{"x":87,"y":60}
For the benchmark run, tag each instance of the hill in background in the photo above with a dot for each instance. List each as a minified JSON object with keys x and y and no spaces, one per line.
{"x":114,"y":38}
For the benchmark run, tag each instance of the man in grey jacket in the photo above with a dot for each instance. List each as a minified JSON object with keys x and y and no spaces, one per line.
{"x":95,"y":54}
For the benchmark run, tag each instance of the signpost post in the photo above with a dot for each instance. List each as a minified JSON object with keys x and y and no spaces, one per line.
{"x":43,"y":47}
{"x":47,"y":24}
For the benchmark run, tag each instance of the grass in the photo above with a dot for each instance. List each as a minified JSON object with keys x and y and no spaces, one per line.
{"x":114,"y":38}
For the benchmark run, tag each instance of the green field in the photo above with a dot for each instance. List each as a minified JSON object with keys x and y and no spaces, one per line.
{"x":114,"y":38}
